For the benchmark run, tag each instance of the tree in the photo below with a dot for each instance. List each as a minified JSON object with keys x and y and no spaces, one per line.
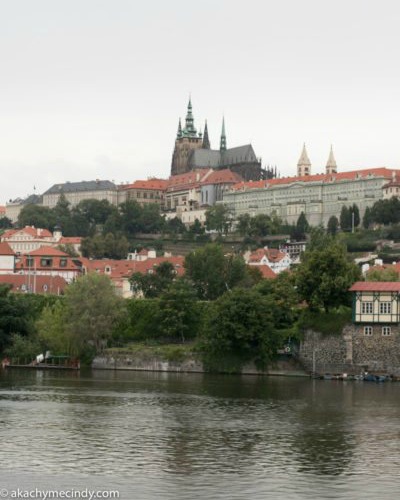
{"x":345,"y":219}
{"x":284,"y":298}
{"x":13,"y":317}
{"x":355,"y":215}
{"x":243,"y":224}
{"x":384,"y":274}
{"x":178,"y":316}
{"x":333,"y":225}
{"x":367,"y":219}
{"x":91,"y":312}
{"x":301,"y":229}
{"x":260,"y":225}
{"x":238,"y":329}
{"x":175,"y":226}
{"x":213,"y":273}
{"x":38,"y":216}
{"x":325,"y":275}
{"x":5,"y":223}
{"x":130,"y":213}
{"x":154,"y":284}
{"x":218,"y":218}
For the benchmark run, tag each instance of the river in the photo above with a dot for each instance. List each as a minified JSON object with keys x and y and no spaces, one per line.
{"x":177,"y":436}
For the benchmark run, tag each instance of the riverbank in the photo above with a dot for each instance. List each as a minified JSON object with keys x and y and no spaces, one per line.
{"x":181,"y":359}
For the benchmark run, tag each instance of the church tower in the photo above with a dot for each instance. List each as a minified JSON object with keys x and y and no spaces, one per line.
{"x":304,"y":164}
{"x":331,"y":167}
{"x":187,"y":139}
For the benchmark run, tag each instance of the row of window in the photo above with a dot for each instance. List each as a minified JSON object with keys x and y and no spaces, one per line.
{"x":386,"y":331}
{"x":384,"y":308}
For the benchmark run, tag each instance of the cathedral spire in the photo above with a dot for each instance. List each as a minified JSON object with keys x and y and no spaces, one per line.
{"x":304,"y":164}
{"x":189,"y":129}
{"x":179,"y":134}
{"x":222,"y":146}
{"x":206,"y":140}
{"x":331,"y":166}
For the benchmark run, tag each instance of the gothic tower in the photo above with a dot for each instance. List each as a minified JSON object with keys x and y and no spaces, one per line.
{"x":304,"y":164}
{"x":187,"y":139}
{"x":331,"y":167}
{"x":222,"y":146}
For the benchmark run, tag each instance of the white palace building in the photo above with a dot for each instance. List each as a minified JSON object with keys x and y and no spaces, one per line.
{"x":319,"y":196}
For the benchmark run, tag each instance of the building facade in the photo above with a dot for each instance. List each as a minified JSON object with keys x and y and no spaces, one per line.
{"x":318,"y":196}
{"x":75,"y":192}
{"x":144,"y":192}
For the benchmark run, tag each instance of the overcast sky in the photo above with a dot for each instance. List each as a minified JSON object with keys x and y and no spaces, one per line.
{"x":94,"y":88}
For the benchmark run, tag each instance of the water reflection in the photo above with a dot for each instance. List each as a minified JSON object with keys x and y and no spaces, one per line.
{"x":200,"y":434}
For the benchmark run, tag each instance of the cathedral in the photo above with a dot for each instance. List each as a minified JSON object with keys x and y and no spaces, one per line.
{"x":193,"y":150}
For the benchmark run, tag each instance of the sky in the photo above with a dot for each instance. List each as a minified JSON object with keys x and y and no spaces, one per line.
{"x":93,"y":89}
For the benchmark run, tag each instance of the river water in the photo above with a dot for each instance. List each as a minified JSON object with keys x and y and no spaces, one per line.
{"x":177,"y":436}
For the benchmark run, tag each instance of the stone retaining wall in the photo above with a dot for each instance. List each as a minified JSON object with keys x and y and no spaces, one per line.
{"x":352,"y":351}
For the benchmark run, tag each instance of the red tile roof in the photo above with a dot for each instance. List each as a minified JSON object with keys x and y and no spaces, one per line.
{"x":266,"y":271}
{"x":125,"y":268}
{"x":225,"y":176}
{"x":150,"y":184}
{"x":43,"y":284}
{"x":46,"y":251}
{"x":70,"y":240}
{"x":341,"y":176}
{"x":272,"y":254}
{"x":376,"y":286}
{"x":188,"y":179}
{"x":5,"y":249}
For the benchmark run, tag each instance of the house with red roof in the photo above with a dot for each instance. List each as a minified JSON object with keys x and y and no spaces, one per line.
{"x":148,"y":191}
{"x":27,"y":283}
{"x":49,"y":261}
{"x":119,"y":271}
{"x":275,"y":259}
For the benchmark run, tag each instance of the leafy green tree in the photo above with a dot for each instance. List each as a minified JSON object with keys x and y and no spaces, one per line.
{"x":68,"y":249}
{"x":345,"y":219}
{"x":243,"y":224}
{"x":38,"y":216}
{"x":213,"y":273}
{"x":196,"y":227}
{"x":218,"y":218}
{"x":13,"y":316}
{"x":385,"y":274}
{"x":178,"y":316}
{"x":93,"y":310}
{"x":154,"y":284}
{"x":386,"y":211}
{"x":175,"y":226}
{"x":5,"y":223}
{"x":284,"y":298}
{"x":130,"y":213}
{"x":150,"y":219}
{"x":333,"y":225}
{"x":325,"y":275}
{"x":239,"y":329}
{"x":260,"y":225}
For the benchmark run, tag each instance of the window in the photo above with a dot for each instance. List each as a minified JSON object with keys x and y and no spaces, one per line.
{"x":46,"y":262}
{"x":366,"y":308}
{"x":386,"y":331}
{"x":385,"y":307}
{"x":63,"y":262}
{"x":368,"y":330}
{"x":29,"y":261}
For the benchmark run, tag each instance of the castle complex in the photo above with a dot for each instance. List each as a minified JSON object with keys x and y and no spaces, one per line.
{"x":318,"y":196}
{"x":193,"y":151}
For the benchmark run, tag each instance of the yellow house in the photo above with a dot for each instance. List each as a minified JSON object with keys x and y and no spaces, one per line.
{"x":376,"y":304}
